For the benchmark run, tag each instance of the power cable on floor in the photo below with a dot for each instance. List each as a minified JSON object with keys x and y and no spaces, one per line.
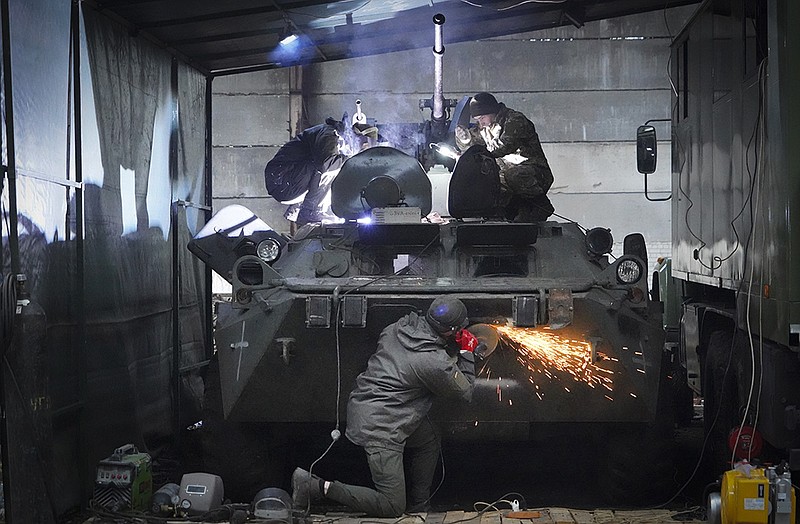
{"x":492,"y":505}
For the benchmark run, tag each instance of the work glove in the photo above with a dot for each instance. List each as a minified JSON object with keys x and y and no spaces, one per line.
{"x":491,"y":136}
{"x":462,"y":135}
{"x":466,"y":341}
{"x":469,"y":343}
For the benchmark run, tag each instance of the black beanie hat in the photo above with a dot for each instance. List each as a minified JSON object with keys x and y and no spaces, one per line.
{"x":447,"y":314}
{"x":483,"y":104}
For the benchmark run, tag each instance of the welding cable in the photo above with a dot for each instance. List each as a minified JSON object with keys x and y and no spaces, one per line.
{"x":762,"y":156}
{"x":690,"y":513}
{"x":224,"y":513}
{"x":8,"y":307}
{"x":338,"y":301}
{"x":717,"y":261}
{"x":399,"y":519}
{"x":754,"y":215}
{"x":523,"y":504}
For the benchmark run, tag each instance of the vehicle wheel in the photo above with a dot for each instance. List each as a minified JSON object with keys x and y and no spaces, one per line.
{"x":238,"y":452}
{"x":640,"y":468}
{"x":720,"y":398}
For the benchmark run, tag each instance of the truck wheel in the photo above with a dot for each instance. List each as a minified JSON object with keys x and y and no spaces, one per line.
{"x":238,"y":452}
{"x":720,"y":398}
{"x":640,"y":467}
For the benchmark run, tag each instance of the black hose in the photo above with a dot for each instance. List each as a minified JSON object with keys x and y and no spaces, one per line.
{"x":8,"y":306}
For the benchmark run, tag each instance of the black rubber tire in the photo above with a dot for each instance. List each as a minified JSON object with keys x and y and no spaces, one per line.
{"x":640,"y":467}
{"x":720,"y":412}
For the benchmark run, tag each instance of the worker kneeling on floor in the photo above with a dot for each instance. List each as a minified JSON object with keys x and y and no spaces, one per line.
{"x":418,"y":358}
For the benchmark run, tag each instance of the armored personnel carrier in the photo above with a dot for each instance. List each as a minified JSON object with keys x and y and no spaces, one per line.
{"x":575,"y":344}
{"x":574,"y":340}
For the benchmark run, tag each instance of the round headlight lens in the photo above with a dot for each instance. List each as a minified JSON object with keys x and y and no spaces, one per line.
{"x":268,"y":250}
{"x":629,"y":271}
{"x":599,"y":241}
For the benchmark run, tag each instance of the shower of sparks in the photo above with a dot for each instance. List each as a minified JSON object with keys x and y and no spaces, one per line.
{"x":543,"y":353}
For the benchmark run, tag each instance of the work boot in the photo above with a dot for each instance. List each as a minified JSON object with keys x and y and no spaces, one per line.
{"x":524,"y":215}
{"x":305,"y":488}
{"x":418,"y":507}
{"x":536,"y":209}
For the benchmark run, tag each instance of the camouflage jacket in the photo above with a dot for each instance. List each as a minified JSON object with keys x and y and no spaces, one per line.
{"x":513,"y":141}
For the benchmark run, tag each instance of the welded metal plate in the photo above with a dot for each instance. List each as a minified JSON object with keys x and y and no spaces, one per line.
{"x":560,"y":307}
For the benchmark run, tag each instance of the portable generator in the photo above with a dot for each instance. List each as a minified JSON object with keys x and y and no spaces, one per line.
{"x":124,"y":480}
{"x":754,"y":495}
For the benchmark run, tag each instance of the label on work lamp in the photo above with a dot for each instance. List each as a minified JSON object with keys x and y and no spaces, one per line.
{"x":396,"y":215}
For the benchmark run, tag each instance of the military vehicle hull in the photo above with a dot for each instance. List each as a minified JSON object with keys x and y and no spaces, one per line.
{"x":575,"y":345}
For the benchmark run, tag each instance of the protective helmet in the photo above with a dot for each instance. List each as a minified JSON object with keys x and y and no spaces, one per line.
{"x":447,"y":314}
{"x":483,"y":104}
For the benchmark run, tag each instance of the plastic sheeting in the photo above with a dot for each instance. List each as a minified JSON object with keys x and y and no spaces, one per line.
{"x":102,"y":375}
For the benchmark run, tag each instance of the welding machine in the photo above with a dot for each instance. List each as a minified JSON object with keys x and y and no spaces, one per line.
{"x":124,"y":480}
{"x":200,"y":493}
{"x":754,"y":495}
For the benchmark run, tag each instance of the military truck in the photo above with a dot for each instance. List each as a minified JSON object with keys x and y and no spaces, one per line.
{"x":575,"y":344}
{"x":735,"y":200}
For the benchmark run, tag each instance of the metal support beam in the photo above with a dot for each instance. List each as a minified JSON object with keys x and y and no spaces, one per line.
{"x":297,"y":116}
{"x":176,"y":269}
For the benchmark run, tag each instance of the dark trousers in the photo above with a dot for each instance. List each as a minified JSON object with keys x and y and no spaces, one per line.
{"x":388,"y":499}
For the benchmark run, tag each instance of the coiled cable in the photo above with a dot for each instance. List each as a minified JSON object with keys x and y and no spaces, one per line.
{"x":8,"y":307}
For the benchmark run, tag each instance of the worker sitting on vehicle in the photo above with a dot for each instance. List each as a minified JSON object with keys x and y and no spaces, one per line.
{"x":417,"y":359}
{"x":511,"y":138}
{"x":302,"y":171}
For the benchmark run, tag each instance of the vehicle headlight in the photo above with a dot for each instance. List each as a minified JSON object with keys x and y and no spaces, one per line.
{"x":629,"y":271}
{"x":268,"y":250}
{"x":599,"y":241}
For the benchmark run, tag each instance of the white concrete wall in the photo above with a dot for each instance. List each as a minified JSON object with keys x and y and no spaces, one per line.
{"x":586,"y":90}
{"x":250,"y":121}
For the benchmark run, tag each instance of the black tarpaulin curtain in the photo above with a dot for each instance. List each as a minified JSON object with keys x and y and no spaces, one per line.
{"x":101,"y":375}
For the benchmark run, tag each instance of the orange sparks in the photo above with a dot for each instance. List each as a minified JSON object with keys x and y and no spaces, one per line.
{"x":544,"y":352}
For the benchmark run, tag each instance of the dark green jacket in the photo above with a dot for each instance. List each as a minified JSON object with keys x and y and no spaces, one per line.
{"x":394,"y":394}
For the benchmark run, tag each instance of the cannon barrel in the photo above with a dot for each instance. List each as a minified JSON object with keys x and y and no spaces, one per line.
{"x":438,"y":53}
